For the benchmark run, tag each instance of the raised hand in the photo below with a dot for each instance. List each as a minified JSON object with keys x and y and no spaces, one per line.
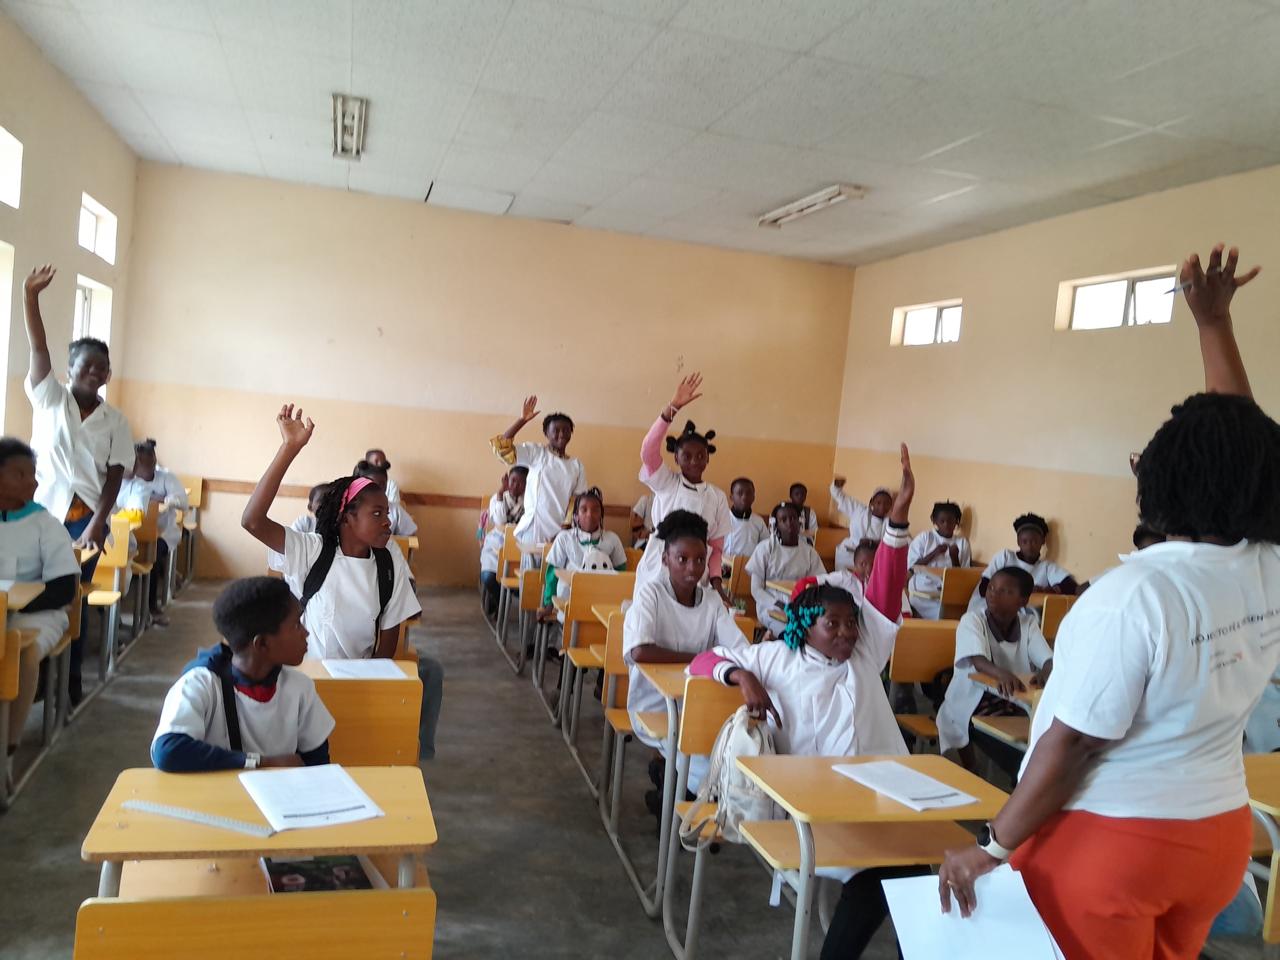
{"x":38,"y":279}
{"x":687,"y":391}
{"x":1209,"y":291}
{"x":530,"y":409}
{"x":294,"y":430}
{"x":906,"y":491}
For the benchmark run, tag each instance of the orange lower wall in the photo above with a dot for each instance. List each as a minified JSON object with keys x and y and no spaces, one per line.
{"x":1091,"y":517}
{"x":232,"y":435}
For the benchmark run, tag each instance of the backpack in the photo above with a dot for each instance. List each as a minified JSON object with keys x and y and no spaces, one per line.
{"x":736,"y":797}
{"x":386,"y":581}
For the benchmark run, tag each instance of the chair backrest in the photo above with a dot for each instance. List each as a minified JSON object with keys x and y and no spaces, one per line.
{"x":150,"y":529}
{"x":826,"y":541}
{"x":923,"y":649}
{"x":958,"y":584}
{"x":509,"y":552}
{"x":748,"y":627}
{"x":706,"y":706}
{"x":1056,"y":606}
{"x":115,"y":557}
{"x":385,"y":923}
{"x":531,"y":588}
{"x":739,"y":583}
{"x":11,"y":652}
{"x":593,"y":589}
{"x":403,"y":544}
{"x":376,"y":721}
{"x":633,"y":558}
{"x":194,"y":487}
{"x":614,"y":665}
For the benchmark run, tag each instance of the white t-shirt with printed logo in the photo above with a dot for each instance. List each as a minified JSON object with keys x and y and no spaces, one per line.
{"x":1167,"y":656}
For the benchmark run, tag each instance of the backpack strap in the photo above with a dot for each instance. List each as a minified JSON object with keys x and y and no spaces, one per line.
{"x":386,"y":585}
{"x":316,"y":575}
{"x":222,"y":667}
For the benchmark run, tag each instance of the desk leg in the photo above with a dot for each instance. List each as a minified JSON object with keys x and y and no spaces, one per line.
{"x":109,"y":879}
{"x":405,"y":878}
{"x":668,"y":809}
{"x":804,"y":892}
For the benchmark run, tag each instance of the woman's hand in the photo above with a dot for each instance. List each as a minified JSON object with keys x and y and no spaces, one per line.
{"x":755,"y":696}
{"x":1210,"y":291}
{"x":906,"y":492}
{"x":687,"y":391}
{"x":294,"y":430}
{"x":530,"y":408}
{"x":957,"y":874}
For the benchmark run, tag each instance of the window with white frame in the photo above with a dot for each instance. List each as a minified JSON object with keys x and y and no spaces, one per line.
{"x":1135,"y":299}
{"x":93,"y":311}
{"x":97,"y":228}
{"x":6,"y":299}
{"x":926,"y":323}
{"x":10,"y":168}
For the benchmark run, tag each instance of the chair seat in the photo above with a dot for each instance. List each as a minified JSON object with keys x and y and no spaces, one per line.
{"x":1261,"y":842}
{"x":140,"y":569}
{"x":104,"y":598}
{"x":619,"y":719}
{"x":652,"y":723}
{"x":706,"y":811}
{"x":918,"y":725}
{"x":585,"y":658}
{"x":1015,"y":731}
{"x":509,"y":583}
{"x":856,"y":845}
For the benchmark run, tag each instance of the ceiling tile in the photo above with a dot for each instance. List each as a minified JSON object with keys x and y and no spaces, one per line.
{"x":562,"y":53}
{"x":619,"y":221}
{"x":444,"y":39}
{"x":611,"y":142}
{"x":121,"y":110}
{"x":692,"y":80}
{"x":654,"y":198}
{"x":369,"y":180}
{"x":175,"y":63}
{"x":190,"y":15}
{"x":574,"y":184}
{"x":789,"y":24}
{"x":772,"y":172}
{"x":533,"y":207}
{"x":929,"y":119}
{"x":464,"y":197}
{"x":64,"y":38}
{"x":316,"y":27}
{"x":493,"y":169}
{"x":654,"y":11}
{"x":177,"y":119}
{"x":509,"y":121}
{"x":154,"y":148}
{"x":213,"y":154}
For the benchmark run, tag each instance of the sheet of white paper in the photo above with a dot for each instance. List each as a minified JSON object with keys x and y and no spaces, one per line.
{"x":6,"y":585}
{"x":909,"y":787}
{"x":377,"y":669}
{"x":309,"y":797}
{"x":1005,"y":925}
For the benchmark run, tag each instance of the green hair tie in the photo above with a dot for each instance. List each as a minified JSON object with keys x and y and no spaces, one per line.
{"x":799,"y":620}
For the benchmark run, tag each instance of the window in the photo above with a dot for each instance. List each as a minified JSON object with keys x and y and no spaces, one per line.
{"x":97,"y":228}
{"x":926,"y":323}
{"x":1126,"y":300}
{"x":93,"y":311}
{"x":10,"y":168}
{"x":6,"y":299}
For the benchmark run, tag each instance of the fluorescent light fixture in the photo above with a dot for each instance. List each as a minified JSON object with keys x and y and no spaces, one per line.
{"x":827,"y":197}
{"x":348,"y":125}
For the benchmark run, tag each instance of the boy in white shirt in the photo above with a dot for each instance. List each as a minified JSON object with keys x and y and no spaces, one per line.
{"x":1032,"y":531}
{"x":641,"y":521}
{"x":866,"y":520}
{"x":782,"y":556}
{"x":402,"y":524}
{"x":241,"y":704}
{"x":749,"y":528}
{"x":307,"y":522}
{"x":939,"y":547}
{"x":377,"y":457}
{"x":151,"y":482}
{"x":505,"y":507}
{"x":554,"y":479}
{"x":798,"y":494}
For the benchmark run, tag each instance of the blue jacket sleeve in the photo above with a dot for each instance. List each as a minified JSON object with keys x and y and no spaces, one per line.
{"x":316,"y":757}
{"x":180,"y":753}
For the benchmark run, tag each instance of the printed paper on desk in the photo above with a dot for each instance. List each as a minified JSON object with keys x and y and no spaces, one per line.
{"x":909,"y":787}
{"x":1005,"y":925}
{"x":309,"y":797}
{"x":376,"y":669}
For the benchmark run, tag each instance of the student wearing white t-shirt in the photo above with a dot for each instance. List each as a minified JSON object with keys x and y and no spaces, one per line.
{"x":783,"y":555}
{"x":641,"y":521}
{"x":343,"y":606}
{"x":798,"y":493}
{"x":936,"y":548}
{"x":587,"y":545}
{"x":866,"y":520}
{"x":748,"y":527}
{"x":505,"y":507}
{"x":1032,"y":531}
{"x":377,"y":457}
{"x":152,"y":482}
{"x":1130,"y":824}
{"x":683,"y":488}
{"x":83,"y":444}
{"x":555,"y":478}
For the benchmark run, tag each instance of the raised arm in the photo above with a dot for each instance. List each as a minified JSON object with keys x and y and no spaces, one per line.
{"x":504,"y":444}
{"x":889,"y":572}
{"x":651,"y":446}
{"x":295,"y":432}
{"x":1209,"y":294}
{"x":41,"y":363}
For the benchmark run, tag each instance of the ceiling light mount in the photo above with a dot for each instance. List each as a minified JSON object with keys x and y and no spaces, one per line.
{"x":824,"y":198}
{"x":348,"y":125}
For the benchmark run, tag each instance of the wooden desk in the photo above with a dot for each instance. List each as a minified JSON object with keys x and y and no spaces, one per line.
{"x":315,"y":669}
{"x":85,"y":554}
{"x":781,"y":586}
{"x":1028,"y":698}
{"x":603,"y":611}
{"x":117,"y":835}
{"x":376,"y":721}
{"x":1262,"y":777}
{"x":22,"y":593}
{"x":667,"y":677}
{"x":812,"y":792}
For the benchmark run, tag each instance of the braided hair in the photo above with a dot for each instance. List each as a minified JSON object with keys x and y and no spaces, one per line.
{"x":1212,"y":470}
{"x":1033,"y":520}
{"x":680,"y":525}
{"x":807,"y":606}
{"x":330,"y":512}
{"x":946,"y":506}
{"x":690,"y":434}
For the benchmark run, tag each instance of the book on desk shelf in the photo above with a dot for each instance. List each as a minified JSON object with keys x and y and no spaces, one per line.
{"x":311,"y":874}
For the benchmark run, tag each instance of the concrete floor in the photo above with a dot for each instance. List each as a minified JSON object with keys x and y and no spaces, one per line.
{"x":523,"y":868}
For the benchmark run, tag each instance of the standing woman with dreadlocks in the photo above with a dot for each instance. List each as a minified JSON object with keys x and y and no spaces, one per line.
{"x":683,"y":488}
{"x":821,"y":687}
{"x":1130,"y":823}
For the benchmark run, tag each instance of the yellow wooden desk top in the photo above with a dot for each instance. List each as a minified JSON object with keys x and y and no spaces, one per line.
{"x":1262,"y":776}
{"x":315,"y":669}
{"x":667,"y":677}
{"x":560,"y":603}
{"x":412,"y":540}
{"x":85,"y":554}
{"x":782,"y":586}
{"x":118,"y":834}
{"x":603,"y":611}
{"x":1028,"y":697}
{"x":811,"y":791}
{"x":20,"y":594}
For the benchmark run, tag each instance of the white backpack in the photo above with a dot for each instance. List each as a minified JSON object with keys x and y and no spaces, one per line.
{"x":737,"y":798}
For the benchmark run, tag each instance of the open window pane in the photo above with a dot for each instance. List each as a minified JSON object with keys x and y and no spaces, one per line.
{"x":950,"y":324}
{"x":1153,"y":300}
{"x":1099,"y":305}
{"x":918,"y":326}
{"x":88,"y":228}
{"x":10,"y":168}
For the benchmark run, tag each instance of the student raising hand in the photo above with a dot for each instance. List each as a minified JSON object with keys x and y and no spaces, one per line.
{"x":529,"y":410}
{"x":1209,"y":293}
{"x":906,"y":491}
{"x":685,"y":394}
{"x":294,"y":430}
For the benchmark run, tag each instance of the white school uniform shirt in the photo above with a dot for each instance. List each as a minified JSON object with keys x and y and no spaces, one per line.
{"x":863,"y":525}
{"x":1044,"y":572}
{"x":772,"y":560}
{"x":671,"y":491}
{"x":501,"y":510}
{"x":925,"y":589}
{"x":976,"y":638}
{"x":656,"y":616}
{"x":304,"y":524}
{"x":644,"y":510}
{"x":392,"y":490}
{"x":73,"y":454}
{"x":340,"y":617}
{"x":137,"y":494}
{"x":36,"y":548}
{"x":847,"y":581}
{"x":294,"y":720}
{"x":1167,"y":657}
{"x":548,"y":491}
{"x":571,"y":547}
{"x":402,"y":524}
{"x":745,"y":536}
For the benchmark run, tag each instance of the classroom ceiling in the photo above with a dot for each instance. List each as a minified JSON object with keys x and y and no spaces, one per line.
{"x":687,"y":119}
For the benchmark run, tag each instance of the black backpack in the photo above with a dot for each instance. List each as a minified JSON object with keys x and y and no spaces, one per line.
{"x":386,"y":581}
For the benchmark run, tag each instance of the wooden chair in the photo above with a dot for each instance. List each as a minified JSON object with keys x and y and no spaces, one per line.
{"x":617,"y":722}
{"x":143,"y":566}
{"x":407,"y":545}
{"x":11,"y":644}
{"x":739,"y":587}
{"x":296,"y":926}
{"x":376,"y":721}
{"x":190,"y":523}
{"x":827,"y":540}
{"x":1015,"y":731}
{"x":1055,"y":610}
{"x":633,"y":558}
{"x":582,"y":629}
{"x":958,"y":584}
{"x":508,"y":582}
{"x":106,"y":592}
{"x":923,"y":649}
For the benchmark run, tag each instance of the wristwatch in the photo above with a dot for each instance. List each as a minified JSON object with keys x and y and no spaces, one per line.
{"x":252,"y":761}
{"x":989,"y":845}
